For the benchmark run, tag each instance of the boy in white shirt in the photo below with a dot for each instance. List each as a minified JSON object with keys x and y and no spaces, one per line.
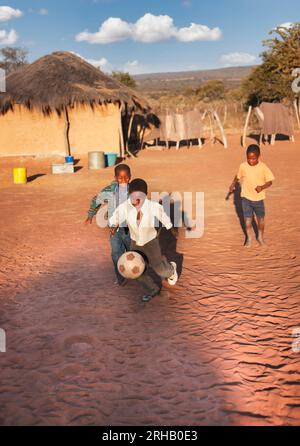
{"x":141,"y":215}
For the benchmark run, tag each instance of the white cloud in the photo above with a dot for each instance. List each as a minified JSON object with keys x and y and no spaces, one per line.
{"x":151,"y":28}
{"x":148,"y":29}
{"x":112,"y":30}
{"x":134,"y":67}
{"x":237,"y":59}
{"x":8,"y":37}
{"x":43,"y":11}
{"x":7,"y":13}
{"x":286,"y":25}
{"x":198,"y":32}
{"x":102,"y":63}
{"x":134,"y":63}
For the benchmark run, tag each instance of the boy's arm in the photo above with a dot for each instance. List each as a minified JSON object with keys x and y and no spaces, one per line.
{"x":114,"y":220}
{"x":93,"y":209}
{"x":236,"y":179}
{"x":103,"y":196}
{"x":265,"y":186}
{"x":119,"y":216}
{"x":269,"y":178}
{"x":233,"y":184}
{"x":163,"y":217}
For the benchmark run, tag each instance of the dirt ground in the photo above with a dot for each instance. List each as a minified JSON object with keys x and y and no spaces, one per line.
{"x":215,"y":349}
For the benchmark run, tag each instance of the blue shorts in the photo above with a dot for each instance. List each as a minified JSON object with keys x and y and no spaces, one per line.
{"x":253,"y":207}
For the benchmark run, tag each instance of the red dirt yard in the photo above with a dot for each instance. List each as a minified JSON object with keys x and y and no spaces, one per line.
{"x":215,"y":349}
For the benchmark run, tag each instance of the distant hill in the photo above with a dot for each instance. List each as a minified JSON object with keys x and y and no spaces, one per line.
{"x":190,"y":79}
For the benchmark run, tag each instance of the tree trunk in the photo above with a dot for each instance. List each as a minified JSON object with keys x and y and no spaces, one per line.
{"x":246,"y":126}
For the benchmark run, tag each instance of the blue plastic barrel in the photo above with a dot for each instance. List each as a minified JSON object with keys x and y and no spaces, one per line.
{"x":69,"y":159}
{"x":111,"y":159}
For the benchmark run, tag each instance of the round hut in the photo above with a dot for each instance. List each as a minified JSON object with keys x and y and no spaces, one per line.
{"x":62,"y":105}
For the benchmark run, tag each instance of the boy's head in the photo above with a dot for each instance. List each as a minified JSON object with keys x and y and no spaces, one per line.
{"x":253,"y":154}
{"x":138,"y":190}
{"x":123,"y":174}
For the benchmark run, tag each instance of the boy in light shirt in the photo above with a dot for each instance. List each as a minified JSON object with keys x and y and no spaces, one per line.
{"x":140,"y":215}
{"x":254,"y":177}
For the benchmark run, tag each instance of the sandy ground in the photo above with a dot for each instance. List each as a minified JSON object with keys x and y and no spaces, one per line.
{"x":215,"y":349}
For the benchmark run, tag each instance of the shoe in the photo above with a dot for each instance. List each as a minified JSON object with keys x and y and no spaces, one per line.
{"x":148,"y":297}
{"x":173,"y":279}
{"x":123,"y":282}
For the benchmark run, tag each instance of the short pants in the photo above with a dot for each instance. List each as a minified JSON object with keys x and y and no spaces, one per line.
{"x":253,"y":207}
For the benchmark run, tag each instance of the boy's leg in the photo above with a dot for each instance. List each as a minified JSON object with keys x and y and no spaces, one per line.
{"x":149,"y":286}
{"x":260,"y":214}
{"x":261,"y":230}
{"x":248,"y":217}
{"x":126,"y":239}
{"x":248,"y":225}
{"x":117,"y":249}
{"x":156,"y":261}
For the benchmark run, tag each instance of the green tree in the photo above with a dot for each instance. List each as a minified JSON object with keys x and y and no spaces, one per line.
{"x":124,"y":78}
{"x":12,"y":59}
{"x":211,"y":90}
{"x":271,"y":81}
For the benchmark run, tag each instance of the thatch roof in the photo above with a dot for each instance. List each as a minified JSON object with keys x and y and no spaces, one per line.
{"x":61,"y":80}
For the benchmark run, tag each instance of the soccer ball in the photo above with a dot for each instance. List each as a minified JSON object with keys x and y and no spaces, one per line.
{"x":131,"y":265}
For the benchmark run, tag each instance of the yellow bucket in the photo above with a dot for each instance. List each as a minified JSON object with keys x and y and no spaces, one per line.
{"x":20,"y":175}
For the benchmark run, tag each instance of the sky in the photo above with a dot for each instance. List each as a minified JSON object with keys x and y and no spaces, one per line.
{"x":147,"y":36}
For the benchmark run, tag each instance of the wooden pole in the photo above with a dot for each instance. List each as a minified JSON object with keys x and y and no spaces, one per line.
{"x":246,"y":126}
{"x":297,"y":113}
{"x":225,"y":115}
{"x":129,"y":130}
{"x":142,"y":138}
{"x":273,"y":138}
{"x":221,"y":129}
{"x":212,"y":135}
{"x":67,"y":131}
{"x":121,"y":134}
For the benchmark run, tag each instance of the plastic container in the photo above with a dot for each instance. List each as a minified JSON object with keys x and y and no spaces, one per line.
{"x":62,"y":168}
{"x":96,"y":160}
{"x":20,"y":175}
{"x":69,"y":159}
{"x":110,"y":159}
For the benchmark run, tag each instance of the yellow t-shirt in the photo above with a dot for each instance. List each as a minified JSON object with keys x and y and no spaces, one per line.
{"x":252,"y":176}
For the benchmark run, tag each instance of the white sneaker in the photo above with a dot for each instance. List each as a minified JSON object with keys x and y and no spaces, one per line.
{"x":173,"y":279}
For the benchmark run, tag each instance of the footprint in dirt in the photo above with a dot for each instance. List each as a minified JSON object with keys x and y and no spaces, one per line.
{"x":78,"y":344}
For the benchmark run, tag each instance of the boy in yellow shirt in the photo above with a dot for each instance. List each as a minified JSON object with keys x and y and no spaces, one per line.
{"x":254,"y":177}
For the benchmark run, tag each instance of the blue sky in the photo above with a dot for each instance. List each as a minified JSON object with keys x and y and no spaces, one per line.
{"x":148,"y":36}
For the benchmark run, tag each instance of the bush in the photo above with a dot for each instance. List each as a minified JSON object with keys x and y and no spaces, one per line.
{"x":124,"y":78}
{"x":211,"y":91}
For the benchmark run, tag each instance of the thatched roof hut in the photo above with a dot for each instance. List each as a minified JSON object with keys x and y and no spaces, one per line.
{"x":65,"y":96}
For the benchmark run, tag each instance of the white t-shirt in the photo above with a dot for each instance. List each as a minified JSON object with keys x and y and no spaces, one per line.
{"x":145,"y":231}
